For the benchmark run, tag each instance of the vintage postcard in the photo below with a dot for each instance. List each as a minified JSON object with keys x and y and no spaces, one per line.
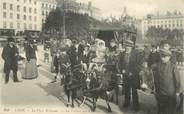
{"x":91,"y":56}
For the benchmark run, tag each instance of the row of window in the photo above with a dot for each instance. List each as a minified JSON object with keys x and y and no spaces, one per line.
{"x":30,"y":10}
{"x":167,"y":21}
{"x":25,"y":17}
{"x":18,"y":8}
{"x":48,"y":6}
{"x":169,"y":26}
{"x":30,"y":1}
{"x":45,"y":13}
{"x":26,"y":26}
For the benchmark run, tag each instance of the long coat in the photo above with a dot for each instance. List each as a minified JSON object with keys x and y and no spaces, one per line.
{"x":134,"y":66}
{"x":166,"y":78}
{"x":80,"y":52}
{"x":153,"y":58}
{"x":10,"y":56}
{"x":53,"y":48}
{"x":72,"y":52}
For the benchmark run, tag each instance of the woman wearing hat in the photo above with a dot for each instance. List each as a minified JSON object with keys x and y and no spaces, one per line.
{"x":10,"y":57}
{"x":31,"y":70}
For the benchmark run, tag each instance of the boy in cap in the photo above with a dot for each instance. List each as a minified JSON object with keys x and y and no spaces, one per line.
{"x":166,"y":79}
{"x":167,"y":46}
{"x":10,"y":56}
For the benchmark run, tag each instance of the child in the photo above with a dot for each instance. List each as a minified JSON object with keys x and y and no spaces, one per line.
{"x":46,"y":55}
{"x":85,"y":56}
{"x":64,"y":64}
{"x":147,"y":83}
{"x":167,"y":83}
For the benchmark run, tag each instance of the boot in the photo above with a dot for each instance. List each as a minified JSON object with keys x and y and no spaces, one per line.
{"x":6,"y":78}
{"x":15,"y":78}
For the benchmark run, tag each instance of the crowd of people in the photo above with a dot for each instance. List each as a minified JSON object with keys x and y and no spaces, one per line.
{"x":154,"y":71}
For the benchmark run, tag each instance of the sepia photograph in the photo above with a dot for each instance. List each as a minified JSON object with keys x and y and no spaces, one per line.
{"x":91,"y":56}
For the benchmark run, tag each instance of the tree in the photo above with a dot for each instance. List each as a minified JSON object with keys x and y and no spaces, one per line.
{"x":53,"y":21}
{"x":157,"y":34}
{"x":77,"y":25}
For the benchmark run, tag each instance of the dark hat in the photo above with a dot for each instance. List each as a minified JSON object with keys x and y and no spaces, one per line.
{"x":153,"y":46}
{"x":165,"y":52}
{"x":129,"y":43}
{"x":10,"y":39}
{"x":74,"y":41}
{"x":26,"y":38}
{"x":31,"y":41}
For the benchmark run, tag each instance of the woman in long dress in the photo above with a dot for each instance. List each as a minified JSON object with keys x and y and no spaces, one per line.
{"x":31,"y":70}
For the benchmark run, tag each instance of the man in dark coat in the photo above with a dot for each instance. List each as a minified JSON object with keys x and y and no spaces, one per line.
{"x":10,"y":57}
{"x":72,"y":52}
{"x":81,"y":50}
{"x":154,"y":57}
{"x":167,"y":84}
{"x":56,"y":64}
{"x":129,"y":66}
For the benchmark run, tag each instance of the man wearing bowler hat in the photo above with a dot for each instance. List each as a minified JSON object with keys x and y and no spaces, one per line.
{"x":10,"y":57}
{"x":167,"y":84}
{"x":129,"y":66}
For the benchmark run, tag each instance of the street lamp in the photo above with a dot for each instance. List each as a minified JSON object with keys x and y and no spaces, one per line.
{"x":64,"y":21}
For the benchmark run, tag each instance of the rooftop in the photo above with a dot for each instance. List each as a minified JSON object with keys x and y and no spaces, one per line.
{"x":175,"y":14}
{"x":49,"y":1}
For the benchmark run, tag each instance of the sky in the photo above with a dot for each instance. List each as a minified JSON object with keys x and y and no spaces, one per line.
{"x":137,"y":8}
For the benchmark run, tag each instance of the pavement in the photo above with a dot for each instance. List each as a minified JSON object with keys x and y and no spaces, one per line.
{"x":43,"y":95}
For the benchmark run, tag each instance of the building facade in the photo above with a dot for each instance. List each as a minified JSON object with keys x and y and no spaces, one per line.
{"x":88,"y":8}
{"x":171,"y":21}
{"x":46,"y":7}
{"x":80,"y":7}
{"x":21,"y":15}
